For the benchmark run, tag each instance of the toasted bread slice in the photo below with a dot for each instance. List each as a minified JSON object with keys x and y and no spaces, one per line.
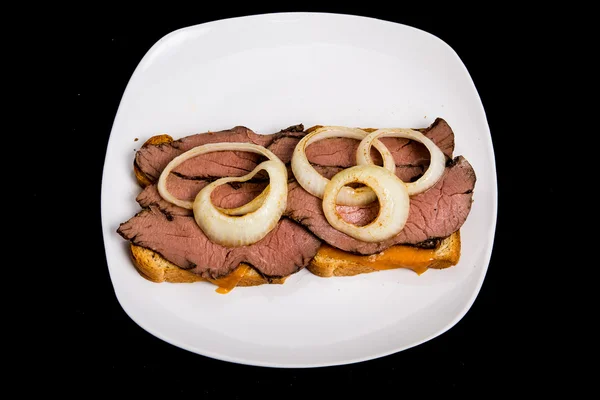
{"x":330,"y":261}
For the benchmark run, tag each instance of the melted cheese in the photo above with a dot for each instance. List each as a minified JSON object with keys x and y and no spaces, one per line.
{"x":227,"y":283}
{"x":413,"y":258}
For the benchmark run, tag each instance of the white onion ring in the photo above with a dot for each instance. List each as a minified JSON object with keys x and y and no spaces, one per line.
{"x":315,"y":183}
{"x":394,"y":202}
{"x":250,"y":228}
{"x":436,"y":167}
{"x":260,"y":215}
{"x":208,"y":148}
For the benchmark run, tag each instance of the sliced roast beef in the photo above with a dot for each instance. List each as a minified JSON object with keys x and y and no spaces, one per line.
{"x":150,"y":197}
{"x":152,"y":159}
{"x":230,"y":195}
{"x":233,"y":194}
{"x":329,"y":155}
{"x":407,"y":173}
{"x":435,"y":213}
{"x":172,"y":232}
{"x":284,"y":147}
{"x":341,"y":152}
{"x":285,"y":250}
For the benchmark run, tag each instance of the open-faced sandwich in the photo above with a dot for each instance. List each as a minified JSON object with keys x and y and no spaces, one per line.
{"x":237,"y":208}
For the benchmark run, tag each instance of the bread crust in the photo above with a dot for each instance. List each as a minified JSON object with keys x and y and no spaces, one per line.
{"x":155,"y":268}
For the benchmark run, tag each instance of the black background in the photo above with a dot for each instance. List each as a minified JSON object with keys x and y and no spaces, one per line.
{"x":93,"y":346}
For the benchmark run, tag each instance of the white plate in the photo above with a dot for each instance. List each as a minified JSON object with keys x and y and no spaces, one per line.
{"x":268,"y":72}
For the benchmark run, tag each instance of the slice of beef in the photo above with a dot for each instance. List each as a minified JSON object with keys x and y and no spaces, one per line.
{"x":230,"y":195}
{"x":285,"y":250}
{"x":411,"y":157}
{"x":152,"y":159}
{"x":433,"y":214}
{"x":219,"y":164}
{"x":407,"y":173}
{"x":284,"y":147}
{"x":150,"y":197}
{"x":341,"y":152}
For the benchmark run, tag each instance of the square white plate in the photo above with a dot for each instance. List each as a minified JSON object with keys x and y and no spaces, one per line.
{"x":268,"y":72}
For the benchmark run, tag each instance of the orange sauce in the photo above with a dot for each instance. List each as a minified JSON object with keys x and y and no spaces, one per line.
{"x":227,"y":283}
{"x":413,"y":258}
